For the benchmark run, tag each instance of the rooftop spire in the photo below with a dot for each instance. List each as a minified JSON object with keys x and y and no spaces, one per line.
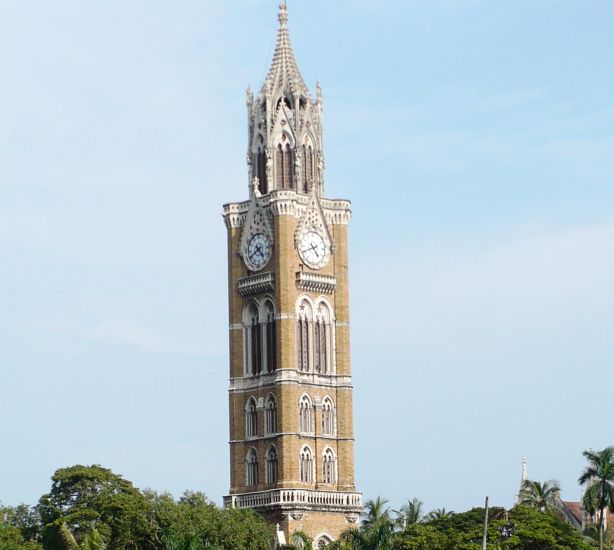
{"x":284,"y":75}
{"x":283,"y":14}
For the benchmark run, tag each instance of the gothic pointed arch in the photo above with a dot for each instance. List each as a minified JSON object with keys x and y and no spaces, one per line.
{"x":304,"y":333}
{"x":329,"y":417}
{"x":270,"y":415}
{"x":306,"y":465}
{"x":329,"y":466}
{"x":269,"y":335}
{"x":305,"y":414}
{"x":322,"y":540}
{"x":251,"y":418}
{"x":285,"y":161}
{"x":323,"y":337}
{"x":252,"y":339}
{"x":271,"y":470}
{"x":308,"y":164}
{"x":251,"y":467}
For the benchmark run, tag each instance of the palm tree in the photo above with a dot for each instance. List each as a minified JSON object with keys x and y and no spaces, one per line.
{"x":439,"y":513}
{"x":375,"y":513}
{"x":541,"y":496}
{"x":410,"y":513}
{"x":93,"y":541}
{"x":375,"y":532}
{"x":598,"y":476}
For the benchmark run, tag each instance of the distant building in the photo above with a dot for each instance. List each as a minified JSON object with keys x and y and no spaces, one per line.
{"x":291,"y":427}
{"x":573,"y":512}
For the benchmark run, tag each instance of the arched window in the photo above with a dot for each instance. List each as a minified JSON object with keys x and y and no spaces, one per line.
{"x":251,"y":418}
{"x":328,"y":417}
{"x":270,"y":338}
{"x":284,"y":165}
{"x":252,"y":338}
{"x":261,"y":170}
{"x":322,"y":338}
{"x":256,"y":344}
{"x":271,"y":465}
{"x":323,"y":542}
{"x":305,"y":412}
{"x":270,"y":416}
{"x":251,"y":468}
{"x":308,"y":171}
{"x":329,"y":466}
{"x":303,"y":335}
{"x":306,"y":465}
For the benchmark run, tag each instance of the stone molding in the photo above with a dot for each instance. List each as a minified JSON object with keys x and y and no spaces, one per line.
{"x":289,"y":376}
{"x":288,"y":202}
{"x":302,"y":435}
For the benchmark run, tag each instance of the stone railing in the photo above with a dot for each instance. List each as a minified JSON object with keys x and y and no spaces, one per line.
{"x":297,"y":498}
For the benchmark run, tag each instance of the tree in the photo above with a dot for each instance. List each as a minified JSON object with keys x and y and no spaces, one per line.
{"x":93,"y":541}
{"x":410,"y":513}
{"x":521,"y":529}
{"x":375,"y":513}
{"x":84,"y":498}
{"x":439,"y":513}
{"x":541,"y":496}
{"x":598,"y":476}
{"x":19,"y":528}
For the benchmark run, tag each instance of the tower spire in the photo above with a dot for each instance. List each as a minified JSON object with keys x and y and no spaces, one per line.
{"x":284,"y":75}
{"x":523,"y":479}
{"x":283,"y":14}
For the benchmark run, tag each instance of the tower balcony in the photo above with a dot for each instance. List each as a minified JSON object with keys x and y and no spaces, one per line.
{"x":297,"y":499}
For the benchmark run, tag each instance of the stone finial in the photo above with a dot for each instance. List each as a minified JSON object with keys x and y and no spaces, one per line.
{"x":283,"y":13}
{"x":524,"y":469}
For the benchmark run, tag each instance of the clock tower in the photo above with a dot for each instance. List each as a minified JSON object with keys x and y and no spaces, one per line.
{"x":290,"y":396}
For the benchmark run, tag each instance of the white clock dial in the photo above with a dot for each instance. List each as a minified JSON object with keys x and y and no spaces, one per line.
{"x":258,"y":251}
{"x":312,"y":249}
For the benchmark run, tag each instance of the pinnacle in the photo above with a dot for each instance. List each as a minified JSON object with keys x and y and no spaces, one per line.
{"x":284,"y":75}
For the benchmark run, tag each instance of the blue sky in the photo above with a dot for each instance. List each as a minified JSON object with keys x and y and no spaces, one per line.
{"x":475,"y":139}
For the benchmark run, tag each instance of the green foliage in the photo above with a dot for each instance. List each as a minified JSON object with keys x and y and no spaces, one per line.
{"x":522,"y":528}
{"x":541,"y":496}
{"x":598,"y":476}
{"x":410,"y":513}
{"x":91,"y":508}
{"x":87,"y":498}
{"x":19,"y":528}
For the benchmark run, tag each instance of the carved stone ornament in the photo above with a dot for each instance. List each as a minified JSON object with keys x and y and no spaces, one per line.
{"x":257,"y":237}
{"x":351,"y":518}
{"x":296,"y":516}
{"x":312,"y":238}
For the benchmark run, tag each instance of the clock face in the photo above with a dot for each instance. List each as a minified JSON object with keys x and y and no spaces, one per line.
{"x":258,"y":251}
{"x":312,"y":249}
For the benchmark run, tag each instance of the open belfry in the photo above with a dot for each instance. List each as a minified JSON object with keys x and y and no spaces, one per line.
{"x":291,"y":428}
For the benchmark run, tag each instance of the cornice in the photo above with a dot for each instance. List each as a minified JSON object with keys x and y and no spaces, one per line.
{"x":288,"y":203}
{"x":289,"y":376}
